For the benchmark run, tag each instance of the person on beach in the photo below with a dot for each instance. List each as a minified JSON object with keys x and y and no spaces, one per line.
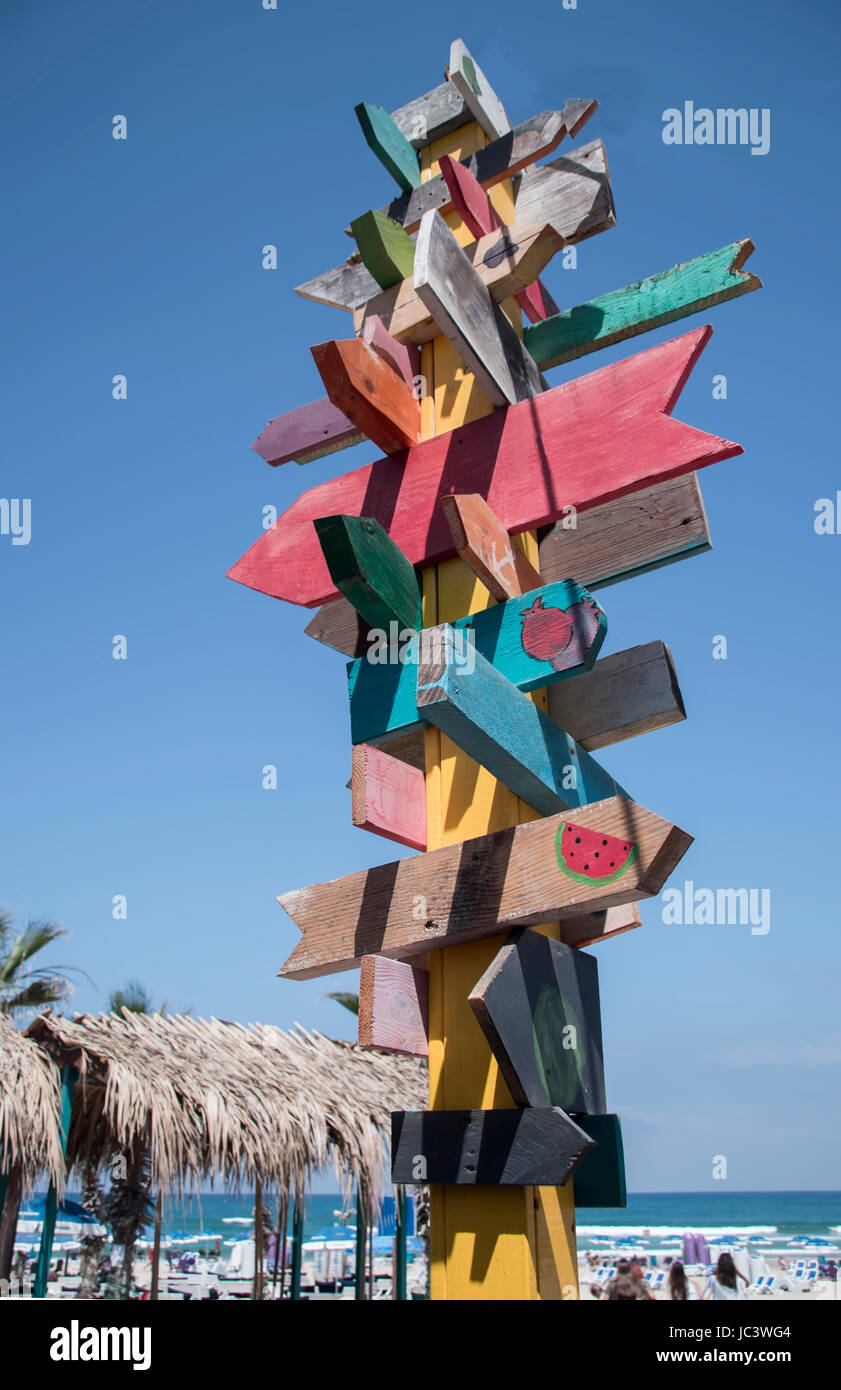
{"x":638,"y":1280}
{"x":622,"y":1290}
{"x":724,"y":1283}
{"x":681,"y":1289}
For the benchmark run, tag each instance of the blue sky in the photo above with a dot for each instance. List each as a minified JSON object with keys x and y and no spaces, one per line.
{"x":142,"y":777}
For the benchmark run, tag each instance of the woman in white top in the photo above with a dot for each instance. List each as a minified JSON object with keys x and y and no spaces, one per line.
{"x":724,"y":1284}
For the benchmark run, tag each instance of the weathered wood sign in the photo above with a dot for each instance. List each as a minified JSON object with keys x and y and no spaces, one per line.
{"x":599,"y":1180}
{"x":534,"y":640}
{"x":484,"y":544}
{"x":370,"y":570}
{"x":502,"y":729}
{"x":486,"y":1147}
{"x":479,"y":215}
{"x":478,"y":94}
{"x":687,"y":289}
{"x":369,"y":392}
{"x":393,"y":1006}
{"x":388,"y":796}
{"x":504,"y":261}
{"x":629,"y":535}
{"x":389,"y":144}
{"x":432,"y":116}
{"x":552,"y":869}
{"x":501,"y":159}
{"x":403,"y":357}
{"x":624,"y":695}
{"x":578,"y":445}
{"x":538,"y":1006}
{"x":464,"y":310}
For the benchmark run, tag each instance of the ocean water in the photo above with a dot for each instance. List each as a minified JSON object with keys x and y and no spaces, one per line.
{"x":760,"y":1215}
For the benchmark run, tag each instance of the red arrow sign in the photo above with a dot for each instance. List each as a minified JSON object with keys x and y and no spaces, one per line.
{"x":581,"y":444}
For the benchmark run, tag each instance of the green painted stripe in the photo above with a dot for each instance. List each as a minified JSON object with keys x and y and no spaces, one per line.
{"x":687,"y":289}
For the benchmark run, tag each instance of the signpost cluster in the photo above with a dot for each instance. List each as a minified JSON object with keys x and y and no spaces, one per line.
{"x":457,"y":572}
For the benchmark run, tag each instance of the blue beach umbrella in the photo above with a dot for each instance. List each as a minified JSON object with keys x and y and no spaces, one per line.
{"x":67,"y":1211}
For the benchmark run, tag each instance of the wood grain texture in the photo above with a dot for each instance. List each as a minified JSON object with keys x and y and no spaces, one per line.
{"x":383,"y":691}
{"x":387,"y":250}
{"x":599,"y":1180}
{"x":402,"y":357}
{"x":309,"y":432}
{"x":465,"y":311}
{"x":388,"y":796}
{"x":505,"y":261}
{"x":389,"y":144}
{"x":501,"y":159}
{"x":479,"y":215}
{"x":338,"y":625}
{"x":630,"y":535}
{"x":538,"y":1006}
{"x":572,"y":192}
{"x":430,"y":117}
{"x":580,"y":444}
{"x":478,"y":888}
{"x":370,"y":570}
{"x":687,"y":289}
{"x":369,"y":391}
{"x":488,"y":1148}
{"x":484,"y":544}
{"x":393,"y":1006}
{"x":487,"y":717}
{"x":475,"y":89}
{"x":624,"y":695}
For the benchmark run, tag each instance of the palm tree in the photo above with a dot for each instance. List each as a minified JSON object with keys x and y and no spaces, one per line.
{"x":347,"y":1001}
{"x":128,"y":1206}
{"x":23,"y":987}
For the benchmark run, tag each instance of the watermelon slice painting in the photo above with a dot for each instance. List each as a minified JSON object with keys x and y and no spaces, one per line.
{"x":588,"y":856}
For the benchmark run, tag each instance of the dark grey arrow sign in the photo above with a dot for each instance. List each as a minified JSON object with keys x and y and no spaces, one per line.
{"x":486,"y":1147}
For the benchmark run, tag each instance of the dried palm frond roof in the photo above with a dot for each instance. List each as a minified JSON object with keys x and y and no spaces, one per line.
{"x":227,"y":1101}
{"x":30,"y":1114}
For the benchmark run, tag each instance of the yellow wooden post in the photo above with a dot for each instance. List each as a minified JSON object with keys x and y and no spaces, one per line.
{"x":501,"y":1242}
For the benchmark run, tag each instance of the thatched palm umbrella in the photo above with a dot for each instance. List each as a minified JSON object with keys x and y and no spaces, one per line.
{"x":251,"y":1106}
{"x":30,"y":1134}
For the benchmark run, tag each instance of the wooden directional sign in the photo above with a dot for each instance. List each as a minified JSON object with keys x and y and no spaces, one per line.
{"x":688,"y":289}
{"x":541,"y":637}
{"x":546,"y":870}
{"x":403,"y":357}
{"x":338,"y":625}
{"x":502,"y":729}
{"x":505,"y":261}
{"x":626,"y":694}
{"x":501,"y":159}
{"x":465,"y":311}
{"x":599,"y":1180}
{"x":370,"y":570}
{"x":486,"y":1147}
{"x":393,"y":1006}
{"x":538,"y":1006}
{"x":579,"y":444}
{"x":386,"y":249}
{"x":471,"y":83}
{"x":309,"y":432}
{"x":479,"y":215}
{"x":484,"y":544}
{"x":629,"y":535}
{"x":389,"y":144}
{"x":572,"y":192}
{"x":389,"y":796}
{"x":369,"y":392}
{"x":432,"y":116}
{"x":572,"y":195}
